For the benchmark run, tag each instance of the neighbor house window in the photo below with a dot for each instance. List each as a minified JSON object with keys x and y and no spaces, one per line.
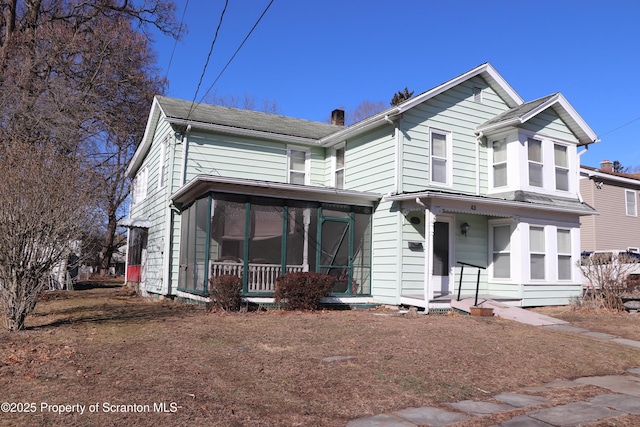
{"x":564,"y":254}
{"x":536,"y":252}
{"x":338,"y":167}
{"x":298,"y":166}
{"x":441,"y":157}
{"x":499,"y":163}
{"x":534,"y":150}
{"x":562,"y":167}
{"x":501,"y":249}
{"x":632,"y":209}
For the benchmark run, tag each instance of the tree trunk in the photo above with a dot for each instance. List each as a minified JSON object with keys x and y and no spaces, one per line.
{"x":108,"y":246}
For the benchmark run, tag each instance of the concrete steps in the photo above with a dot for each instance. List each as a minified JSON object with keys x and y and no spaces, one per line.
{"x":508,"y":312}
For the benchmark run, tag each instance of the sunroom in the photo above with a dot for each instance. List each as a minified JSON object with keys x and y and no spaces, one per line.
{"x":259,"y":230}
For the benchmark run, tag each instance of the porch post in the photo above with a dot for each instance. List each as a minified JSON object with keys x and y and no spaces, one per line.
{"x":305,"y":246}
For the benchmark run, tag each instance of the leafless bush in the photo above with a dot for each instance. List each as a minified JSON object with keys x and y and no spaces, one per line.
{"x":45,"y":197}
{"x":606,"y":277}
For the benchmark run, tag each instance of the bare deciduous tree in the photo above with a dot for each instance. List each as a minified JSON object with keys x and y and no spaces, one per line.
{"x":246,"y":102}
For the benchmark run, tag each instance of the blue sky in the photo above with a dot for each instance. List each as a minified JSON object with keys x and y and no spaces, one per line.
{"x":311,"y":56}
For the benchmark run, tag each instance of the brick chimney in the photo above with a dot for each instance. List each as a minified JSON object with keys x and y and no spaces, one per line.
{"x":337,"y":117}
{"x":606,"y":166}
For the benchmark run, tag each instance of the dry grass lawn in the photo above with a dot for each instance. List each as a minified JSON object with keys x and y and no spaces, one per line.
{"x":105,"y":347}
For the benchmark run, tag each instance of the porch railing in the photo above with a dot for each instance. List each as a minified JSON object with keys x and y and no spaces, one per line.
{"x":262,"y":277}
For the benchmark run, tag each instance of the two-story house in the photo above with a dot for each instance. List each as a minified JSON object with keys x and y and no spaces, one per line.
{"x":615,"y":196}
{"x":465,"y":172}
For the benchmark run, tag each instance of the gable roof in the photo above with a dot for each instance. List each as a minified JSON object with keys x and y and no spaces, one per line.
{"x":522,"y":113}
{"x":228,"y":120}
{"x":486,"y":71}
{"x":631,"y":180}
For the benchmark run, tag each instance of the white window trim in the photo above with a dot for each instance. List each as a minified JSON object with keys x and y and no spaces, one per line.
{"x":632,"y":193}
{"x":564,"y":254}
{"x":543,"y":253}
{"x":535,"y":162}
{"x":334,"y":165}
{"x":139,"y":191}
{"x":449,"y":159}
{"x":492,"y":225}
{"x":307,"y":163}
{"x":492,"y":184}
{"x":566,"y":168}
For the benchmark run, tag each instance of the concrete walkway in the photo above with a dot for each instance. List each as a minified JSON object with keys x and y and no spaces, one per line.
{"x":620,"y":396}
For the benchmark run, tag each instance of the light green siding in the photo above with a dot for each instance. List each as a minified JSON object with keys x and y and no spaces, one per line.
{"x":456,"y":112}
{"x":550,"y":124}
{"x":370,"y":167}
{"x":413,"y":259}
{"x":222,"y":155}
{"x":471,"y":249}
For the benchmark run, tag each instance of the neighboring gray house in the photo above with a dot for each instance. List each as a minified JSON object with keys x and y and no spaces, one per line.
{"x":615,"y":196}
{"x":465,"y":172}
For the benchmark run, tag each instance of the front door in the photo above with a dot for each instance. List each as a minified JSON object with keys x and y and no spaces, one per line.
{"x":441,"y":257}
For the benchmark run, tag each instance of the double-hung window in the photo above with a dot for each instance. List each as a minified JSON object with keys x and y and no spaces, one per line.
{"x":139,"y":192}
{"x":562,"y":167}
{"x":298,"y":166}
{"x":162,"y":168}
{"x":631,"y":202}
{"x":564,"y":254}
{"x":338,"y":169}
{"x":499,"y":149}
{"x":501,"y":251}
{"x":534,"y":149}
{"x":536,"y":252}
{"x":440,"y":157}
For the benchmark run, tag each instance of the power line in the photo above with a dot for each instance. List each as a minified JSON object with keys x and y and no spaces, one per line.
{"x":620,"y":127}
{"x":236,"y":52}
{"x":175,"y":42}
{"x":204,"y":69}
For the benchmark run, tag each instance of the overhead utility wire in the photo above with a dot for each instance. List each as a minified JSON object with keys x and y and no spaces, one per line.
{"x":237,"y":50}
{"x":175,"y":42}
{"x":620,"y":127}
{"x":204,"y":69}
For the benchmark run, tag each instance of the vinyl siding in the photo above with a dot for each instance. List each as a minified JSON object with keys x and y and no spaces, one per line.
{"x":613,"y":228}
{"x":471,"y":249}
{"x":370,"y":167}
{"x":453,"y":111}
{"x":412,"y":259}
{"x":550,"y":124}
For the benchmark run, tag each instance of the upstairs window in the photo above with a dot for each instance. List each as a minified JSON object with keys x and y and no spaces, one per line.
{"x":338,"y":174}
{"x":534,"y":150}
{"x":162,"y":169}
{"x":631,"y":202}
{"x":139,"y":192}
{"x":562,"y":167}
{"x":499,"y":163}
{"x":441,"y":157}
{"x":536,"y":251}
{"x":298,"y":166}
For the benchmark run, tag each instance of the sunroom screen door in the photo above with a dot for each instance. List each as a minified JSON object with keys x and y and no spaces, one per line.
{"x":336,"y":251}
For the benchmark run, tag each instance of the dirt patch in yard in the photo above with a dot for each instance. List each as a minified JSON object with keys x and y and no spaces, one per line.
{"x":143,"y":363}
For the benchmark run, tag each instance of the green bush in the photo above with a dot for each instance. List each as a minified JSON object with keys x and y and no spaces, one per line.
{"x":224,"y":292}
{"x":303,"y":291}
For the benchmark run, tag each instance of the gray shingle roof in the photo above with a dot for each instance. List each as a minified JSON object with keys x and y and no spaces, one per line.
{"x":545,"y":199}
{"x":245,"y":119}
{"x":516,"y":112}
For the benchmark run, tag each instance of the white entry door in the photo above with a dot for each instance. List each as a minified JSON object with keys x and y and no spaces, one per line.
{"x":442,"y":256}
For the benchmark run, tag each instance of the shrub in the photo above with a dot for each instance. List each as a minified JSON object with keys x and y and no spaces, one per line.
{"x":303,"y":291}
{"x":224,"y":292}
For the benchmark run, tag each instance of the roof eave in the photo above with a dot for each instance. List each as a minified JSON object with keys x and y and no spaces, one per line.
{"x":147,"y":139}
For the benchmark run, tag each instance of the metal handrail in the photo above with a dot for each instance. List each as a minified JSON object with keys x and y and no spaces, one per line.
{"x":477,"y":280}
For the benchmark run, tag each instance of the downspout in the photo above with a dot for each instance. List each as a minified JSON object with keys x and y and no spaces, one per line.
{"x":580,"y":154}
{"x":396,"y":154}
{"x":428,"y":232}
{"x":169,"y":213}
{"x":185,"y":152}
{"x":479,"y":136}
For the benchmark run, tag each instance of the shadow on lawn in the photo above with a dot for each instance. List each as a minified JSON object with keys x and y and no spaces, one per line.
{"x":111,"y":306}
